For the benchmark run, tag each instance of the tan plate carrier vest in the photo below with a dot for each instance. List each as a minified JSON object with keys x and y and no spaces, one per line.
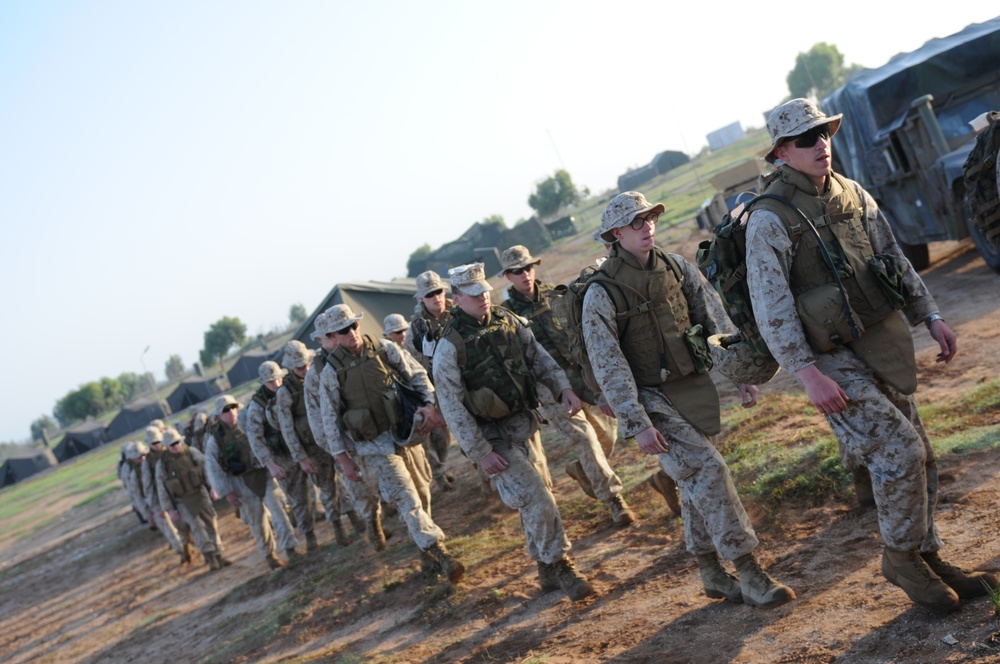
{"x":234,"y":448}
{"x":365,"y":386}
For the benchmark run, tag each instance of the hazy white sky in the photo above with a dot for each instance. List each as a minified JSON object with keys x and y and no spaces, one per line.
{"x":165,"y":164}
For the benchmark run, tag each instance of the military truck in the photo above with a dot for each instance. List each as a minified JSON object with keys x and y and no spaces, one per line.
{"x":906,"y":134}
{"x":733,"y":186}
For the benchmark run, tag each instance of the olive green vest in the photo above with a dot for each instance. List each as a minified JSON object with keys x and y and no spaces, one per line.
{"x":652,"y":324}
{"x":549,"y":327}
{"x":364,"y":381}
{"x":491,"y":358}
{"x":272,"y":435}
{"x":300,"y":417}
{"x":886,"y":344}
{"x":182,"y":476}
{"x":236,"y":457}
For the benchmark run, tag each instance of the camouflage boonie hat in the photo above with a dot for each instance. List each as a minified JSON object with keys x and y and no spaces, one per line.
{"x":340,"y":316}
{"x":297,"y":355}
{"x":172,"y":436}
{"x":394,"y":323}
{"x":128,"y":449}
{"x":153,"y":435}
{"x":515,"y":257}
{"x":415,"y":437}
{"x":734,"y":359}
{"x":221,"y":402}
{"x":620,"y":212}
{"x":200,"y":420}
{"x":793,"y":118}
{"x":428,"y":282}
{"x":140,"y":449}
{"x":269,"y":371}
{"x":469,"y":279}
{"x":159,"y":424}
{"x":319,"y":327}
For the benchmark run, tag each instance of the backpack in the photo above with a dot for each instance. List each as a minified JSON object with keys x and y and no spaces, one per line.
{"x":981,"y":181}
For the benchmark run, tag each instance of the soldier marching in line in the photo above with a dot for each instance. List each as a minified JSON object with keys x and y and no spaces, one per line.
{"x":653,"y":374}
{"x":357,"y":397}
{"x":126,"y":463}
{"x":184,"y":494}
{"x":234,"y":473}
{"x":592,"y":433}
{"x":177,"y":534}
{"x":485,"y":366}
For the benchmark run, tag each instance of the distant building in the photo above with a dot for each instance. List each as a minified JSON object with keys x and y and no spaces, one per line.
{"x":636,"y":178}
{"x":669,"y":160}
{"x":720,"y":138}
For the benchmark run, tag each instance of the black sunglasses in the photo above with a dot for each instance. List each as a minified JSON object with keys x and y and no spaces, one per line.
{"x":230,"y":407}
{"x":353,"y":326}
{"x":435,"y":293}
{"x":520,"y":270}
{"x":809,"y":138}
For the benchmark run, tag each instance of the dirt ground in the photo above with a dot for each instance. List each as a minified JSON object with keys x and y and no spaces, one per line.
{"x":101,"y":588}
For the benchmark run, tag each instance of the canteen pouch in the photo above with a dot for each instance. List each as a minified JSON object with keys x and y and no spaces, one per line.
{"x":889,"y":278}
{"x":824,"y":320}
{"x":695,"y":338}
{"x":360,"y":424}
{"x":485,"y":403}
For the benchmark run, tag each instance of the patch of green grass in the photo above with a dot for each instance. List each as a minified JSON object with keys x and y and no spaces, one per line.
{"x":156,"y":617}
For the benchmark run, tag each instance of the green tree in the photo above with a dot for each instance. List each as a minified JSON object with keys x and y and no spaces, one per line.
{"x":175,"y":367}
{"x":114,"y":395}
{"x":553,"y":193}
{"x":83,"y":402}
{"x":818,"y":72}
{"x":297,"y":313}
{"x":43,"y":422}
{"x":418,"y":259}
{"x":132,"y":385}
{"x":220,"y":337}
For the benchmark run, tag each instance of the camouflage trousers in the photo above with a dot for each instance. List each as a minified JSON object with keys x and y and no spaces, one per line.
{"x":714,"y":518}
{"x":593,"y":435}
{"x":279,"y":506}
{"x":364,"y":494}
{"x":522,"y":488}
{"x":396,"y":486}
{"x":198,"y":513}
{"x":536,"y":453}
{"x":419,"y":467}
{"x":166,"y":526}
{"x":881,"y":430}
{"x":257,"y":517}
{"x":299,"y":490}
{"x":325,"y":480}
{"x":436,"y":447}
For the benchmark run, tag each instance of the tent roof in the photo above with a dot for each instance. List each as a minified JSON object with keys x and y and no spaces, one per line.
{"x":374,"y":299}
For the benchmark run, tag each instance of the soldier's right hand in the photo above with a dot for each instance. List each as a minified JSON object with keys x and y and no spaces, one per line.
{"x":651,"y":441}
{"x":348,"y":466}
{"x":493,"y":464}
{"x":276,"y":470}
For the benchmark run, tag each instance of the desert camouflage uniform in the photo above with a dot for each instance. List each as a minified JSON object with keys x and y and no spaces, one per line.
{"x":520,"y":486}
{"x":176,"y":534}
{"x":196,"y":510}
{"x":881,"y":428}
{"x":253,"y":511}
{"x":359,"y":497}
{"x":714,"y":518}
{"x":296,"y":485}
{"x":381,"y":458}
{"x":592,"y":433}
{"x":132,"y":482}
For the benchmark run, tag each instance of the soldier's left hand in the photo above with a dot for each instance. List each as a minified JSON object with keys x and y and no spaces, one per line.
{"x":947,"y":340}
{"x":749,"y":394}
{"x":175,"y":516}
{"x":432,"y":418}
{"x":276,"y":470}
{"x":571,"y":401}
{"x":307,"y":466}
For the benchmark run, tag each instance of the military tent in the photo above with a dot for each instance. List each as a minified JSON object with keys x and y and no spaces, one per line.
{"x":374,"y":299}
{"x":245,"y":368}
{"x":193,"y":390}
{"x":22,"y":463}
{"x":136,"y":415}
{"x":79,"y":439}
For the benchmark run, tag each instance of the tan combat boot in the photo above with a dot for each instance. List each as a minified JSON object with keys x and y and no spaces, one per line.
{"x":575,"y":470}
{"x":621,"y":515}
{"x":339,"y":533}
{"x":375,"y":534}
{"x":910,"y":572}
{"x":574,"y":584}
{"x":451,"y":568}
{"x":759,"y":589}
{"x":222,"y":560}
{"x":311,"y":542}
{"x":965,"y":584}
{"x":547,"y":577}
{"x":717,"y":581}
{"x":292,"y":554}
{"x":273,"y":561}
{"x":212,"y":561}
{"x":356,"y":522}
{"x":664,"y":485}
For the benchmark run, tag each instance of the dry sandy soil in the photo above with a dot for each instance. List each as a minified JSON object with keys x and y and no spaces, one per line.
{"x":100,"y":588}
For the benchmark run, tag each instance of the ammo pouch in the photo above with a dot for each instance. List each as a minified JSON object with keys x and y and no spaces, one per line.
{"x":821,"y":310}
{"x":486,"y":404}
{"x":695,"y":338}
{"x":256,"y":480}
{"x":393,"y":407}
{"x":890,"y":280}
{"x":360,"y":424}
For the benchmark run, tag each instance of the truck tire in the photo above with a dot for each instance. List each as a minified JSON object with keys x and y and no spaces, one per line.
{"x":990,"y":253}
{"x":917,"y":254}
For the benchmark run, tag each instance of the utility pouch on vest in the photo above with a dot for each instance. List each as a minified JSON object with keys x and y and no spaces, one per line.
{"x":695,"y":338}
{"x":887,"y":347}
{"x":393,"y":407}
{"x":890,"y":280}
{"x":360,"y":424}
{"x":822,"y":311}
{"x":173,"y":486}
{"x":485,"y":403}
{"x":256,"y":480}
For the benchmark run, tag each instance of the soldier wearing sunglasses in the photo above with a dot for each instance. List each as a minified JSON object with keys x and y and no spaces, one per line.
{"x":827,"y":290}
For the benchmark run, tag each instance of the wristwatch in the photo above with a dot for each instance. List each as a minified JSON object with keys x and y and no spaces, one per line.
{"x":933,"y":317}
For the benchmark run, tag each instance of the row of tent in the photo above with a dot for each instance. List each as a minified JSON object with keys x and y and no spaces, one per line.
{"x":375,"y":300}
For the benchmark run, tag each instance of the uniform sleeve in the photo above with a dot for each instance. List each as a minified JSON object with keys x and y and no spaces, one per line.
{"x":286,"y":422}
{"x":217,"y":477}
{"x":704,"y":305}
{"x":166,"y":504}
{"x":413,"y":372}
{"x":450,"y":393}
{"x":614,"y":376}
{"x":329,"y":399}
{"x":149,"y":486}
{"x":409,"y":344}
{"x":313,"y":408}
{"x":133,"y":483}
{"x":546,"y":369}
{"x":769,"y":262}
{"x":255,"y":432}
